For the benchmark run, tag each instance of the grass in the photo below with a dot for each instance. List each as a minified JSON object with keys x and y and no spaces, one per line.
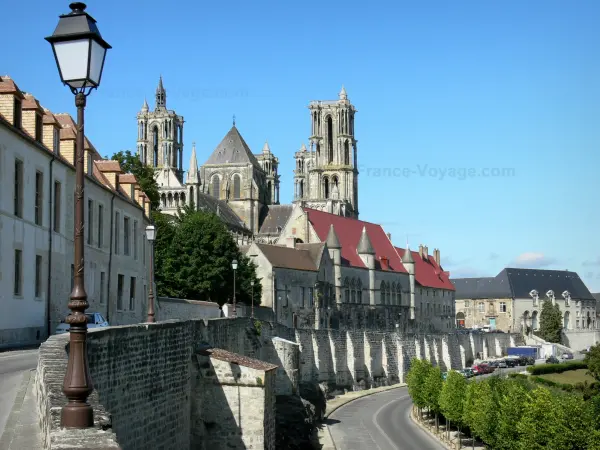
{"x":569,"y":377}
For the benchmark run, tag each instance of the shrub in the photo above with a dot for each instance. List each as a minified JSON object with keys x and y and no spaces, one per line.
{"x":543,"y":369}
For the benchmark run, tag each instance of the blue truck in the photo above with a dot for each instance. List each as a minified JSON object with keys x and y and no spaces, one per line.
{"x":531,"y":352}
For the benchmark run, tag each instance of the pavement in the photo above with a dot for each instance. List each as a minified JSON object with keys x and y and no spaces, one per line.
{"x":19,"y":428}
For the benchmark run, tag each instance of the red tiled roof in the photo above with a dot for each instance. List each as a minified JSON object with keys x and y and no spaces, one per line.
{"x":49,"y":118}
{"x":65,"y":120}
{"x":349,"y":231}
{"x":31,"y":102}
{"x":8,"y":86}
{"x":127,"y":178}
{"x":108,"y":166}
{"x":428,"y":273}
{"x":67,"y":133}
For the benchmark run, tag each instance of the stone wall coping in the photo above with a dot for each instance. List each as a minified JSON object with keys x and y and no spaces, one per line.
{"x":234,"y":358}
{"x":191,"y":302}
{"x":279,"y":339}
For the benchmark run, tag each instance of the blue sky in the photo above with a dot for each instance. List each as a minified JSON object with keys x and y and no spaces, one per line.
{"x":512,"y":86}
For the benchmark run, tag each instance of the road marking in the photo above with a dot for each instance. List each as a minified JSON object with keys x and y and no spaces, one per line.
{"x":381,"y":429}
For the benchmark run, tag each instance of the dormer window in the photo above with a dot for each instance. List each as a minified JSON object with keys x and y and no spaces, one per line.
{"x":17,"y":113}
{"x":56,"y":141}
{"x":39,"y":128}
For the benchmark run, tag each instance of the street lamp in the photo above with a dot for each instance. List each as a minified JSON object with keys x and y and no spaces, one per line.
{"x":234,"y":266}
{"x":151,"y":235}
{"x":79,"y":51}
{"x":252,"y":285}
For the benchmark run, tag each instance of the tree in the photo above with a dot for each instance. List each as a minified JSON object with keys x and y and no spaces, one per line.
{"x":193,"y":260}
{"x":550,"y":322}
{"x":592,"y":359}
{"x":540,"y":427}
{"x":432,"y":389}
{"x":452,"y":399}
{"x":415,"y":379}
{"x":165,"y":231}
{"x":469,"y":412}
{"x":143,"y":174}
{"x":511,"y":404}
{"x":485,"y":419}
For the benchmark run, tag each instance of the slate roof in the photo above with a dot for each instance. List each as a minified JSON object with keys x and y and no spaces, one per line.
{"x":209,"y":203}
{"x":277,"y":216}
{"x":518,"y":283}
{"x":427,"y":272}
{"x":233,"y":150}
{"x":289,"y":257}
{"x":596,"y":296}
{"x":349,"y":232}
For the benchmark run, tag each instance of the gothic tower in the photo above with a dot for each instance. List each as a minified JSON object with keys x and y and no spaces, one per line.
{"x":160,"y":136}
{"x":270,"y":164}
{"x":326,"y":176}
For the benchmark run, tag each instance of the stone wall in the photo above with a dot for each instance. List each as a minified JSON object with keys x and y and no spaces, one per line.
{"x":580,"y":339}
{"x":176,"y":308}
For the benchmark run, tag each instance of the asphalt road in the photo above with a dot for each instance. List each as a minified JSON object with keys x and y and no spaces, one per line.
{"x":379,"y":422}
{"x":12,"y":366}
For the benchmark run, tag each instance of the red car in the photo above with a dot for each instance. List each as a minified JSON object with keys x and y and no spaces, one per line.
{"x":482,"y":369}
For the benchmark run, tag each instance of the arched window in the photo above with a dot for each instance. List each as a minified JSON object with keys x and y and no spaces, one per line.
{"x":269,"y":187}
{"x":382,"y":292}
{"x":164,"y":200}
{"x":359,"y":291}
{"x":170,"y":200}
{"x":318,"y":149}
{"x":346,"y":291}
{"x":330,"y":138}
{"x":346,"y":153}
{"x":216,"y":185}
{"x":155,"y":145}
{"x":176,"y":199}
{"x":301,"y":189}
{"x":182,"y":198}
{"x":399,"y":294}
{"x":353,"y":290}
{"x":326,"y":187}
{"x":191,"y":194}
{"x":236,"y":186}
{"x":393,"y":293}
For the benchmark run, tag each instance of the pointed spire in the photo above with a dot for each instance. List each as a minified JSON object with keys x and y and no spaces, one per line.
{"x":407,"y":258}
{"x":303,"y":148}
{"x":161,"y":94}
{"x":332,"y":240}
{"x":364,"y":245}
{"x":266,"y":148}
{"x":234,"y":120}
{"x":145,"y":105}
{"x":193,"y":176}
{"x":343,"y":94}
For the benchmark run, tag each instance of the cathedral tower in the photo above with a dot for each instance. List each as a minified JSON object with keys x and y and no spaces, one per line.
{"x":270,"y":164}
{"x":326,"y":176}
{"x":160,"y":135}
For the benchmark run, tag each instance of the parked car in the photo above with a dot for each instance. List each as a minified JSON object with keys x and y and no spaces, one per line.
{"x":502,"y":364}
{"x":94,"y":320}
{"x":467,"y":373}
{"x":566,"y":356}
{"x":552,"y":360}
{"x":511,"y":362}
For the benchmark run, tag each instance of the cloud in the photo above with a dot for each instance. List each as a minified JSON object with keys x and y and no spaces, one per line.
{"x":531,"y":260}
{"x":595,"y":262}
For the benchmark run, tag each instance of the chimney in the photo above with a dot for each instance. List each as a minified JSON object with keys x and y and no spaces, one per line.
{"x":425,"y":252}
{"x":290,"y":242}
{"x":389,"y":235}
{"x":385,"y":263}
{"x":421,"y":250}
{"x":436,"y":256}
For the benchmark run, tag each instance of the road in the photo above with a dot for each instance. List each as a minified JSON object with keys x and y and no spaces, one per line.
{"x":12,"y":366}
{"x":379,"y":422}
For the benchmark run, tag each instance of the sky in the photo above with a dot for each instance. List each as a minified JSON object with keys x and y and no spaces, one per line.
{"x":478,"y":122}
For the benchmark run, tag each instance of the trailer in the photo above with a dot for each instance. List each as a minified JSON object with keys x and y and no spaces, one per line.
{"x":529,"y":351}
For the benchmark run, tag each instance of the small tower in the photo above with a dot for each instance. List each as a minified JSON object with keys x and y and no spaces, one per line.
{"x":193,"y":179}
{"x":161,"y":95}
{"x":409,"y":265}
{"x":367,"y":254}
{"x":301,"y":184}
{"x":270,"y":164}
{"x":335,"y":252}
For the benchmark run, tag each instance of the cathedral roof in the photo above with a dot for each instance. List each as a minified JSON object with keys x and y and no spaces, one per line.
{"x":427,"y":272}
{"x":221,"y":208}
{"x":292,"y":258}
{"x":232,"y":150}
{"x":276,"y":219}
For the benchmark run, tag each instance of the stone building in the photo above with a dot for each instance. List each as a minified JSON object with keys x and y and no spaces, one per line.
{"x":37,"y":173}
{"x":512,"y":300}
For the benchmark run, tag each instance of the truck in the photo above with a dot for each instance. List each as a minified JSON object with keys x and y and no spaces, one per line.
{"x":523,"y":351}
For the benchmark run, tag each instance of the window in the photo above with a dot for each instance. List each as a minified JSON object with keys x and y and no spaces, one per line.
{"x":56,"y":140}
{"x":117,"y":220}
{"x":18,"y":287}
{"x":102,"y":277}
{"x":481,"y":307}
{"x":302,"y":292}
{"x":467,"y":303}
{"x":100,"y":226}
{"x":56,"y":224}
{"x":215,"y":186}
{"x":382,"y":293}
{"x":126,"y":236}
{"x":131,"y":293}
{"x":286,"y":296}
{"x":89,"y":163}
{"x":90,"y":221}
{"x":18,"y":199}
{"x":135,"y":239}
{"x":310,"y":297}
{"x":39,"y":197}
{"x":502,"y":307}
{"x":72,"y":277}
{"x":38,"y":127}
{"x":38,"y":276}
{"x":236,"y":186}
{"x":17,"y":113}
{"x":120,"y":281}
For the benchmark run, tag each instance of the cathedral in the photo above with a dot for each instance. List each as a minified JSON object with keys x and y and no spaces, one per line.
{"x":242,"y":187}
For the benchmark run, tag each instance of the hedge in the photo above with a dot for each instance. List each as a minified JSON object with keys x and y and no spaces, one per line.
{"x":543,"y":369}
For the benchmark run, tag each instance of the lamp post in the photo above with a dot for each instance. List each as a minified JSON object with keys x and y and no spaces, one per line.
{"x":151,"y":235}
{"x":252,"y":285}
{"x":234,"y":266}
{"x":79,"y":51}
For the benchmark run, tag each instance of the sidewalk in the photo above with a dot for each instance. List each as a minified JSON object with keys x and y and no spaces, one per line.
{"x":441,"y":437}
{"x":22,"y":431}
{"x":337,"y":402}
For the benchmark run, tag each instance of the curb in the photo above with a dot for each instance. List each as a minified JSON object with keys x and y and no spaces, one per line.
{"x":11,"y":422}
{"x":426,"y":429}
{"x":367,"y":392}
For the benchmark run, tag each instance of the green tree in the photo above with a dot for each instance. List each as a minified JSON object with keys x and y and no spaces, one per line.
{"x":551,"y":322}
{"x":433,"y":388}
{"x":577,"y":419}
{"x":469,"y":412}
{"x":511,"y":404}
{"x":165,"y":231}
{"x":452,"y":399}
{"x":486,"y":406}
{"x":415,"y":380}
{"x":194,"y":260}
{"x":592,"y":359}
{"x":541,"y":426}
{"x":144,"y":175}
